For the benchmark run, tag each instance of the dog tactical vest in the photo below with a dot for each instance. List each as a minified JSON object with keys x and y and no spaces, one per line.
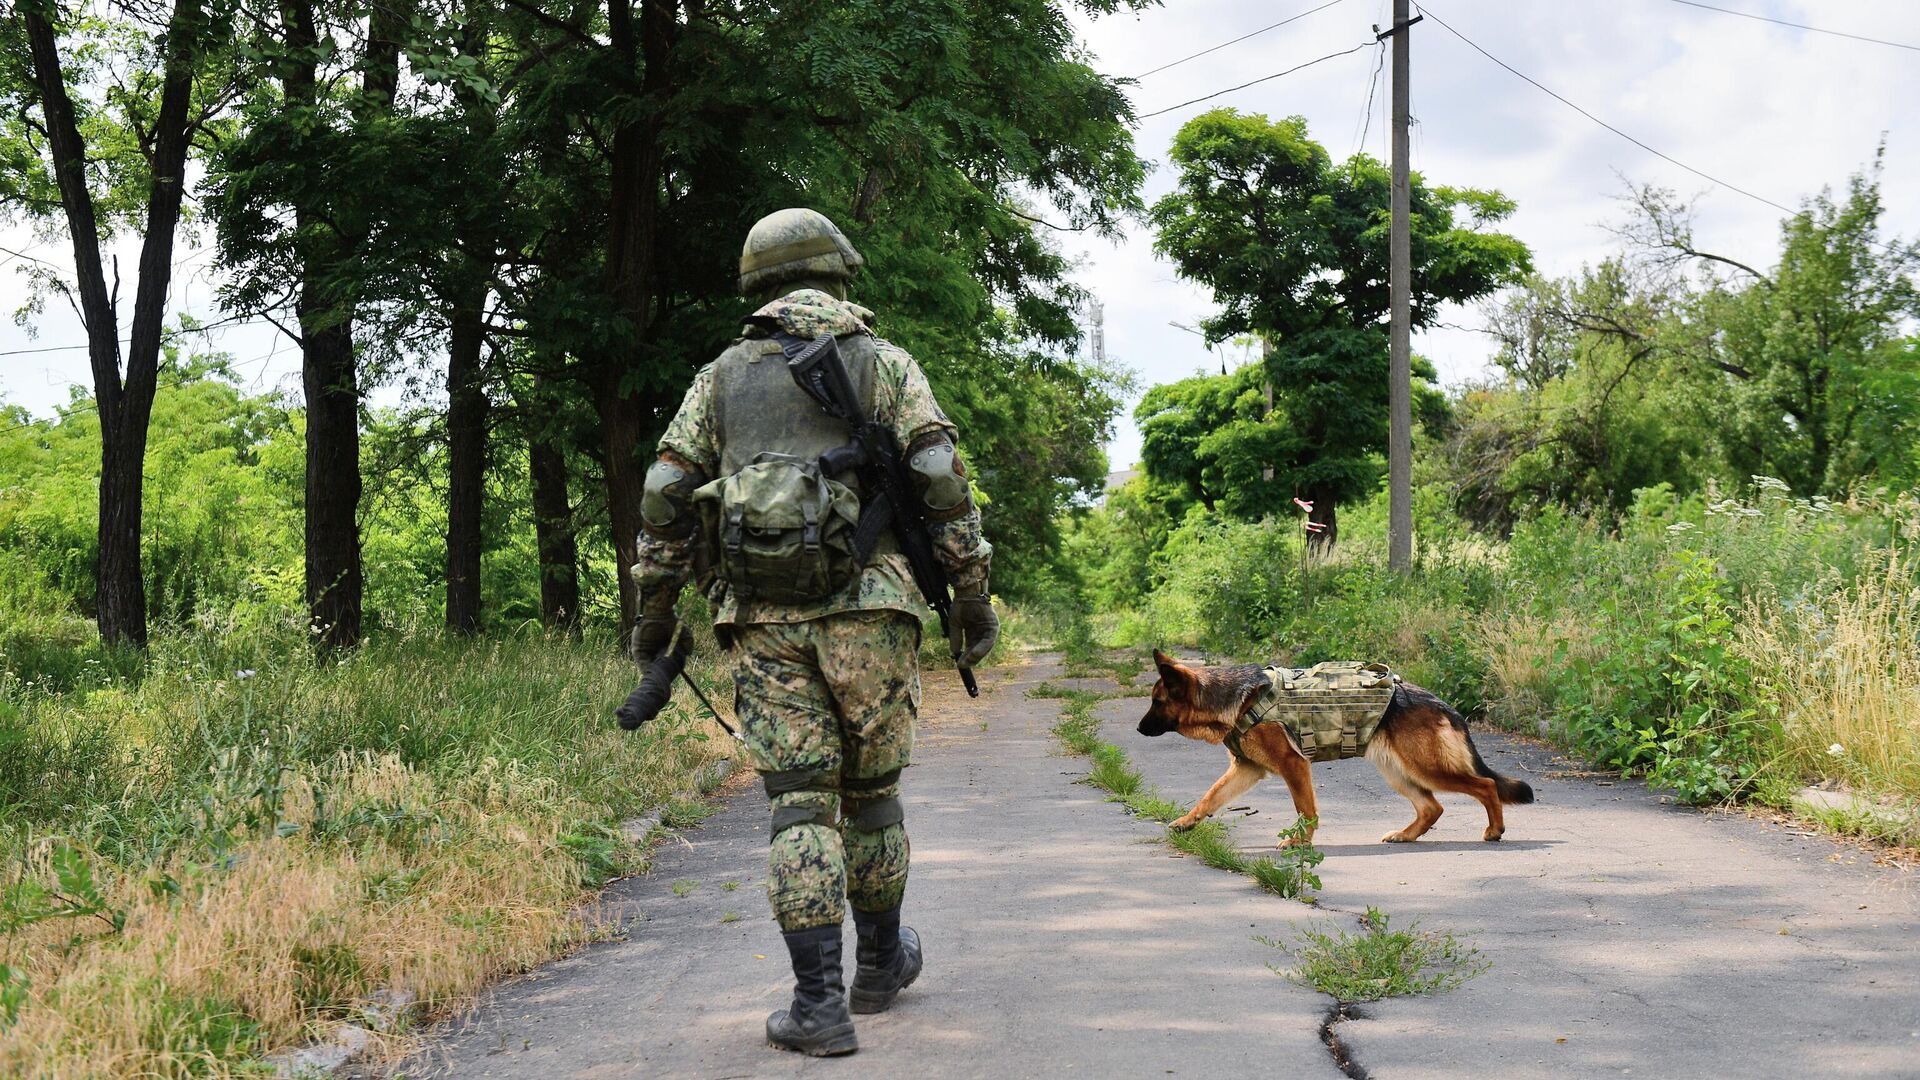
{"x":1330,"y":710}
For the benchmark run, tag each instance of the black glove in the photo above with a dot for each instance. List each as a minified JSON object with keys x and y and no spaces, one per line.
{"x":651,"y":635}
{"x":973,"y":629}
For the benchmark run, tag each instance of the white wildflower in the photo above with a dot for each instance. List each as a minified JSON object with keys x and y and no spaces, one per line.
{"x":1836,"y":750}
{"x":245,"y":673}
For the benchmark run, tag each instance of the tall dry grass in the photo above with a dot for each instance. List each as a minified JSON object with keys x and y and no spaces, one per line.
{"x":1526,"y":657}
{"x":275,"y":849}
{"x":1843,"y":667}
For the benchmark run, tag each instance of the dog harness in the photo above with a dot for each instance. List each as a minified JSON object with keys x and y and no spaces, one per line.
{"x":1330,"y":710}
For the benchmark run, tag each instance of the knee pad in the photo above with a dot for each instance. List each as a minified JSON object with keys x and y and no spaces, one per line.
{"x":868,"y":812}
{"x":666,"y":500}
{"x":816,"y":811}
{"x":872,"y":815}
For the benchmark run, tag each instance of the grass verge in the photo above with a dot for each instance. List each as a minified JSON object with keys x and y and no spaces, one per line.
{"x":232,"y":849}
{"x":1290,"y":875}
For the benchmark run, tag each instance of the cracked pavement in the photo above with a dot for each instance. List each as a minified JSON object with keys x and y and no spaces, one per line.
{"x":1626,"y":936}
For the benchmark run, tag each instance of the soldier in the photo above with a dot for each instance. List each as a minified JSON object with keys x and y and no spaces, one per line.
{"x":822,"y":621}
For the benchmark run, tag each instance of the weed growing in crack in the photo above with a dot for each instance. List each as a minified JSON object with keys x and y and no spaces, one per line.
{"x":1113,"y":773}
{"x":1077,"y":727}
{"x":1380,"y":961}
{"x":684,"y":886}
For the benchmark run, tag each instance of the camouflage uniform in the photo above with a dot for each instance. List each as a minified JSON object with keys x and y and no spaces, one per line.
{"x":827,"y":690}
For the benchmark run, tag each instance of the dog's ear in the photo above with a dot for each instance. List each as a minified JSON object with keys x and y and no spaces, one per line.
{"x":1174,"y":677}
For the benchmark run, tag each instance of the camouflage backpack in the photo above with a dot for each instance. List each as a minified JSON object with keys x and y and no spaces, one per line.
{"x":783,"y":531}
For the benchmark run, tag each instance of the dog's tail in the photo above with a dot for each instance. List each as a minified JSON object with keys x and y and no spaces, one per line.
{"x":1511,"y":790}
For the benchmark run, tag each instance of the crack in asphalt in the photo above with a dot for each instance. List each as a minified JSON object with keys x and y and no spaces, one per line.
{"x":1340,"y":1013}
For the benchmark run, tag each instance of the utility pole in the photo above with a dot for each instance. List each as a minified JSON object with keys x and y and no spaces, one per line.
{"x":1400,"y":377}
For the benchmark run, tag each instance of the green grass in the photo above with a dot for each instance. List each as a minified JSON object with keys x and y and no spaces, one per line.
{"x":406,"y":801}
{"x":1881,"y":825}
{"x":1380,"y":961}
{"x":1290,"y":874}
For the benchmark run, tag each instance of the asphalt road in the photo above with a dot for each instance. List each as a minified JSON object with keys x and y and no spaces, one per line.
{"x":1626,"y":937}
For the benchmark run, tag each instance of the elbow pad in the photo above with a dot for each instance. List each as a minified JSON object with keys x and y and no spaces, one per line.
{"x":940,"y":477}
{"x":666,"y":502}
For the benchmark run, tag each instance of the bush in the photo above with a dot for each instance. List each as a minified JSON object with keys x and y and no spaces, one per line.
{"x":1711,"y":643}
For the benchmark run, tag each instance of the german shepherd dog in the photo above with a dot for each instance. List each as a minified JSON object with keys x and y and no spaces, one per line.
{"x":1420,"y":747}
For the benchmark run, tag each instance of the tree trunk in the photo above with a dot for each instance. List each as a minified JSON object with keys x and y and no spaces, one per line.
{"x":126,"y":409}
{"x":326,"y":307}
{"x":328,"y":373}
{"x":1327,"y":513}
{"x":466,"y":461}
{"x":622,"y":424}
{"x":637,"y":161}
{"x":335,"y":585}
{"x":553,"y":532}
{"x":467,"y":404}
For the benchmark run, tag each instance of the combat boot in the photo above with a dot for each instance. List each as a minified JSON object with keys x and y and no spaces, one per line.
{"x":817,"y":1022}
{"x":886,"y":957}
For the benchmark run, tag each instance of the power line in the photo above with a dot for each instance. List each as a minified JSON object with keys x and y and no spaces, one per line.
{"x":1427,"y":11}
{"x":1256,"y":82}
{"x":1798,"y":26}
{"x":171,"y":335}
{"x":50,"y":348}
{"x":1241,"y":38}
{"x":1373,"y":84}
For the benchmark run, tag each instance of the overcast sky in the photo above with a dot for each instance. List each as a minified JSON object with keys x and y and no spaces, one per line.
{"x":1778,"y":111}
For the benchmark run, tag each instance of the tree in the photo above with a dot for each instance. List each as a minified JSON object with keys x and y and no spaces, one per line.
{"x":1586,"y":412}
{"x":1211,"y":440}
{"x":1295,"y":249}
{"x":667,"y":128}
{"x":1814,"y":356}
{"x":113,"y":142}
{"x":1672,"y":363}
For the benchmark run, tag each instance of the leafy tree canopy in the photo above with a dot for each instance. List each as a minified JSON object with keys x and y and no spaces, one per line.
{"x":1294,"y":247}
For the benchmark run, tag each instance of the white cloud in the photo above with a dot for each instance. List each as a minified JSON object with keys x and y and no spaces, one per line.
{"x":1780,"y":112}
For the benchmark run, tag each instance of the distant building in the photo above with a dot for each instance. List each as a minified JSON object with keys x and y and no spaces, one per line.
{"x":1115,"y":480}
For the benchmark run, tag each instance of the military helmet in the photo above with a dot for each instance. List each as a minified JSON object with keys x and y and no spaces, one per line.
{"x":791,"y":245}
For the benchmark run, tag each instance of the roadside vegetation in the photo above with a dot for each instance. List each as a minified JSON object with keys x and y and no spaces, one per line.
{"x":1724,"y":647}
{"x":1288,"y":874}
{"x":221,"y":849}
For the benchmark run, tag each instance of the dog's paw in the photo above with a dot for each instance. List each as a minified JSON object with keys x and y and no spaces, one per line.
{"x":1491,"y":835}
{"x":1396,"y":838}
{"x":1183,"y":824}
{"x":1297,"y":841}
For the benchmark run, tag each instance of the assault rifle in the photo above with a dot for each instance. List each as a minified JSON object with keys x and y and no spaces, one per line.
{"x":888,"y":498}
